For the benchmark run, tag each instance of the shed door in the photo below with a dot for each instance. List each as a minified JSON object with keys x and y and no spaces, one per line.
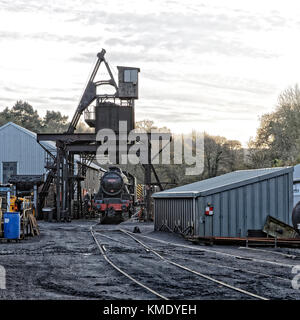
{"x":9,"y":169}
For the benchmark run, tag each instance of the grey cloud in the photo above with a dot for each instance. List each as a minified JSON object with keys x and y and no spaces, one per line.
{"x":210,"y":81}
{"x":84,"y":57}
{"x":203,"y":34}
{"x":187,"y":116}
{"x":197,"y":31}
{"x":47,"y":37}
{"x":199,"y":107}
{"x":42,"y":100}
{"x":4,"y":101}
{"x":196,"y":100}
{"x":35,"y":6}
{"x":137,"y":39}
{"x":171,"y":117}
{"x":8,"y":89}
{"x":228,"y":20}
{"x":125,"y":57}
{"x":68,"y":99}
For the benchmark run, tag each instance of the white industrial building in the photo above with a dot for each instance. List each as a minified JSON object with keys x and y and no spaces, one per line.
{"x":21,"y":154}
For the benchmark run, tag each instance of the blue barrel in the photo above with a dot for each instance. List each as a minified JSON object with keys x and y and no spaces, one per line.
{"x":12,"y":225}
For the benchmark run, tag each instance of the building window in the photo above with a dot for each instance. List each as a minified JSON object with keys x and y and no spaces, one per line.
{"x":130,"y":76}
{"x":9,"y":169}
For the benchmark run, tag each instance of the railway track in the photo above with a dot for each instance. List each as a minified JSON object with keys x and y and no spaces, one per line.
{"x":222,"y":253}
{"x":240,"y":270}
{"x":148,"y":248}
{"x":218,"y":265}
{"x":255,"y":262}
{"x":103,"y":253}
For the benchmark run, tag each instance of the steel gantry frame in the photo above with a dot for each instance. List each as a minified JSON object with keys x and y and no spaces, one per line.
{"x":70,"y":143}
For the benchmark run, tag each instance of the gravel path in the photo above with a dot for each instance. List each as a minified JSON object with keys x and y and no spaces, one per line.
{"x":64,"y":263}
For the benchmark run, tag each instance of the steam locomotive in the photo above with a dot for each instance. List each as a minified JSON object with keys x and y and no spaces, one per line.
{"x":116,"y":196}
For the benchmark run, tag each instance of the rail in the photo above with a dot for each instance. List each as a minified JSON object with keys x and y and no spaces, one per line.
{"x":175,"y":264}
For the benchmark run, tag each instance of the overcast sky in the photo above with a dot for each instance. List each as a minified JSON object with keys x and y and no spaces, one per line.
{"x":214,"y":66}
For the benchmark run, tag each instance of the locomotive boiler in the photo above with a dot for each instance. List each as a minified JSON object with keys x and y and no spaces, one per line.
{"x":116,"y":196}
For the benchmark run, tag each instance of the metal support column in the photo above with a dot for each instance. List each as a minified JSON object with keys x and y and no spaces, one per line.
{"x":147,"y":181}
{"x":35,"y":201}
{"x":65,"y":191}
{"x":58,"y":185}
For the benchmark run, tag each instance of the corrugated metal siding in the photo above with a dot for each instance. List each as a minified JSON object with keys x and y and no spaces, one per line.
{"x":235,"y":211}
{"x":174,"y":213}
{"x":16,"y":145}
{"x":224,"y":182}
{"x":244,"y":208}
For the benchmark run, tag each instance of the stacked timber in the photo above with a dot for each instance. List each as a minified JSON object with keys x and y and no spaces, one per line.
{"x":29,"y":226}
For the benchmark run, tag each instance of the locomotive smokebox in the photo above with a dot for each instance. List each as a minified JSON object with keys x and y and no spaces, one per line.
{"x":112,"y":183}
{"x":108,"y":116}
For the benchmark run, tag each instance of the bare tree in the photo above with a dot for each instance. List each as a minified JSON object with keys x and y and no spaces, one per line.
{"x":278,"y":136}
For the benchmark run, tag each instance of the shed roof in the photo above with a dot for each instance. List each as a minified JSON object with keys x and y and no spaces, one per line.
{"x":222,"y":183}
{"x":47,"y":144}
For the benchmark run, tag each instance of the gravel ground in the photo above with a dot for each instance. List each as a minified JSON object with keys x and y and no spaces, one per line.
{"x":65,"y":263}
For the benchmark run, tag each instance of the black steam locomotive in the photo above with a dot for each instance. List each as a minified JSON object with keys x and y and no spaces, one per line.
{"x":116,"y":196}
